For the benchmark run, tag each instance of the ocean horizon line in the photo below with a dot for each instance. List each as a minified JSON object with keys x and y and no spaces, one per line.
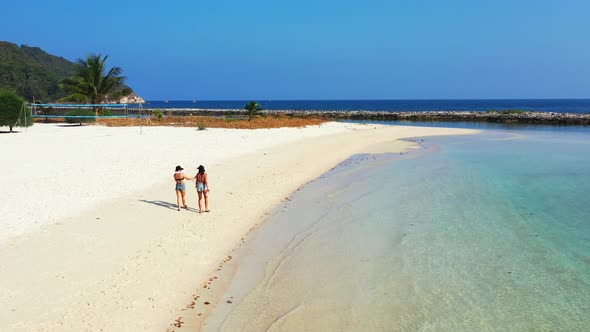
{"x":369,"y":99}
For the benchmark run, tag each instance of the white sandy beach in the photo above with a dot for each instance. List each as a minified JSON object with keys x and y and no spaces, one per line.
{"x":90,"y":239}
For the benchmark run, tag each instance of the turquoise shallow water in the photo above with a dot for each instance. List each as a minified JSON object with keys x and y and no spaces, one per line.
{"x":488,"y":232}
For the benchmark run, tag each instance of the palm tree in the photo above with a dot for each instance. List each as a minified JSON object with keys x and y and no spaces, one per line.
{"x":90,"y":84}
{"x":253,"y":108}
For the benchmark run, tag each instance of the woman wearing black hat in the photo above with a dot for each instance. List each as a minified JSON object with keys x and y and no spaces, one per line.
{"x":202,"y":188}
{"x":180,"y":187}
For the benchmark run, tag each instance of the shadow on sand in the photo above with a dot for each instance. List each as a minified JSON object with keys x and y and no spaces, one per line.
{"x":167,"y":205}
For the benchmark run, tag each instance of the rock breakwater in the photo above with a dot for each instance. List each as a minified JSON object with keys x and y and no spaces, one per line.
{"x":520,"y":117}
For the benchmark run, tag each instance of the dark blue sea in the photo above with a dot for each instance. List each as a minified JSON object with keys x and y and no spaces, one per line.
{"x":538,"y":105}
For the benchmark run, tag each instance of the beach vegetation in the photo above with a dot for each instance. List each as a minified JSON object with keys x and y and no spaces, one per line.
{"x":80,"y":116}
{"x":253,"y":109}
{"x":47,"y":110}
{"x":201,"y":126}
{"x":93,"y":83}
{"x":159,"y":115}
{"x":230,"y":118}
{"x":220,"y":122}
{"x":13,"y":111}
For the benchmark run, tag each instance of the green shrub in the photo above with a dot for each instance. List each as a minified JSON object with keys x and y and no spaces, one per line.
{"x":230,"y":118}
{"x":11,"y":111}
{"x":80,"y":116}
{"x":159,"y":115}
{"x":253,"y":108}
{"x":201,"y":126}
{"x":46,"y":110}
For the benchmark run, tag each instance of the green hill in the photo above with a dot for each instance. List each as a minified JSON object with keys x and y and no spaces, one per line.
{"x":32,"y":72}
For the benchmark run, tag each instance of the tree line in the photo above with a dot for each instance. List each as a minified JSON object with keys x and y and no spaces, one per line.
{"x":91,"y":82}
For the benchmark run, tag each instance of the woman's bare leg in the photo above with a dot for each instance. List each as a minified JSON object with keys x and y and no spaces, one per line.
{"x":206,"y":201}
{"x":183,"y":198}
{"x":200,"y":201}
{"x":178,"y":198}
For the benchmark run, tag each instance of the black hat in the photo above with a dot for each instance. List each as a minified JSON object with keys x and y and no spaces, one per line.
{"x":178,"y":168}
{"x":201,"y":168}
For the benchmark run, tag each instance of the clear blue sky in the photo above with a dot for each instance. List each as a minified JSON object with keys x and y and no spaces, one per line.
{"x":331,"y":49}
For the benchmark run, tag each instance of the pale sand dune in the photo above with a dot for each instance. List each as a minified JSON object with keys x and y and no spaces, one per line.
{"x":90,"y":241}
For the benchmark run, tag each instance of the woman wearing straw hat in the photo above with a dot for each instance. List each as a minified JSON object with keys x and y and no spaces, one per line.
{"x":180,"y":187}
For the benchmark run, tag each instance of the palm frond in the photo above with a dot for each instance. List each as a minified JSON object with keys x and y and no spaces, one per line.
{"x":89,"y":79}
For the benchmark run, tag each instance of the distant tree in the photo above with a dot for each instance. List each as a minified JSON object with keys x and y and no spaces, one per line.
{"x":12,"y":112}
{"x":159,"y":115}
{"x":90,"y":84}
{"x":253,"y":108}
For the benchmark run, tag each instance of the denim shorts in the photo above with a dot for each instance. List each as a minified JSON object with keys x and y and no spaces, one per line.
{"x":180,"y":186}
{"x":201,"y":186}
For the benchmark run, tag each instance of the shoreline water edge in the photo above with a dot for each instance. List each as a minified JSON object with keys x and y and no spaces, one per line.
{"x":470,"y":243}
{"x":232,"y":281}
{"x":104,"y":254}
